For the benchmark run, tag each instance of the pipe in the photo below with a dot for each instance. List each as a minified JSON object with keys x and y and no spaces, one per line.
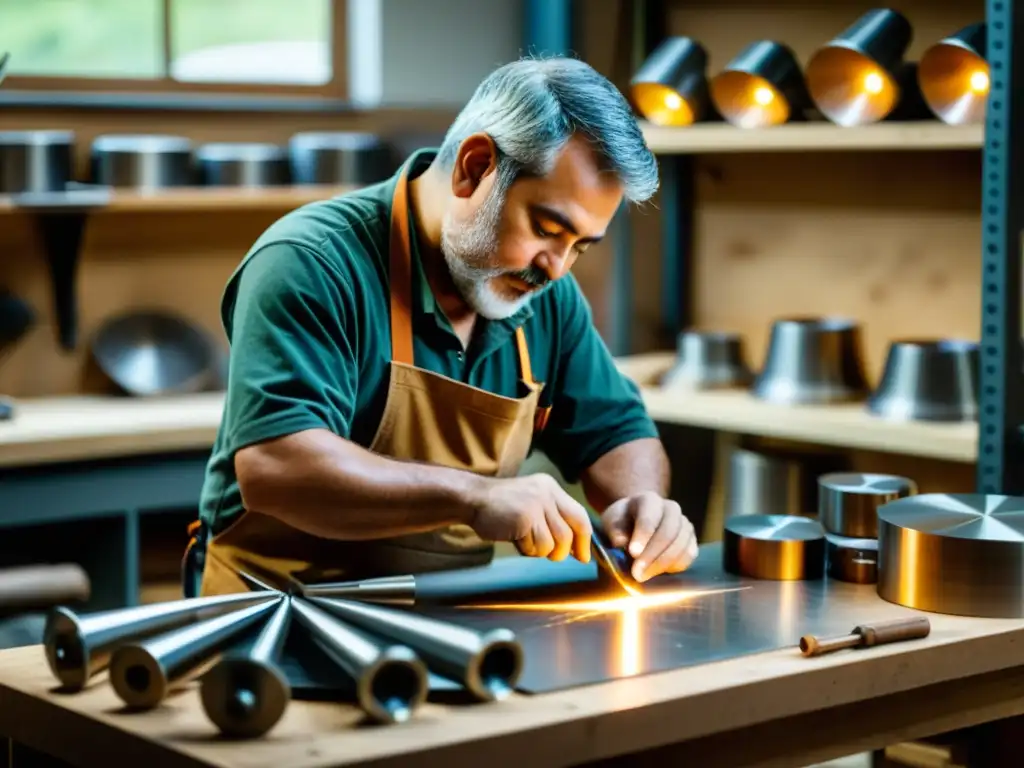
{"x":77,"y":647}
{"x":246,"y":692}
{"x":144,"y":672}
{"x":488,"y":663}
{"x":390,"y":680}
{"x":504,"y":580}
{"x":32,"y":587}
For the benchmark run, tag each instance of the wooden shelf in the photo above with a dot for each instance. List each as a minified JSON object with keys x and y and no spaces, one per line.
{"x":182,"y":199}
{"x":848,"y":426}
{"x":706,"y":138}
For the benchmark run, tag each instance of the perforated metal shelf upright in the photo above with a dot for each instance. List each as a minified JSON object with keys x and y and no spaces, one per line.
{"x":1000,"y":466}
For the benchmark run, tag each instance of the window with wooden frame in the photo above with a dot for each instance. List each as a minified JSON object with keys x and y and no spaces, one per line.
{"x":284,"y":47}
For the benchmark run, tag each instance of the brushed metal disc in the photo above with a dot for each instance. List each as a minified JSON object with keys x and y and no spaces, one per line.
{"x":848,"y":502}
{"x":851,"y":560}
{"x":778,"y":547}
{"x":961,"y":554}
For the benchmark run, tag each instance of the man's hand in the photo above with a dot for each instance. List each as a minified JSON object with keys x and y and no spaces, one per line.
{"x":654,"y":532}
{"x":535,"y":513}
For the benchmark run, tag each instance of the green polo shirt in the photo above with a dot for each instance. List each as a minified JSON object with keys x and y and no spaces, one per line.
{"x":307,"y":316}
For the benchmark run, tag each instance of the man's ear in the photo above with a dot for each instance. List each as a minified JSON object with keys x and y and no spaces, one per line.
{"x":477,"y":159}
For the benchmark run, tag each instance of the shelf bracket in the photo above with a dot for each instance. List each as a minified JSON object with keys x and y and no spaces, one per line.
{"x":61,"y":233}
{"x":1000,"y":468}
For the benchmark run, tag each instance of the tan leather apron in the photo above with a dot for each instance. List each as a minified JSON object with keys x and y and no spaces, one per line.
{"x":427,"y":418}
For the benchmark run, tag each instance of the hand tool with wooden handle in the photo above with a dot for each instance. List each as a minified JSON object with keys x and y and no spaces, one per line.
{"x":867,"y":635}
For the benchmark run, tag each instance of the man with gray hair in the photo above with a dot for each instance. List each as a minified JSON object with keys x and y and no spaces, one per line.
{"x":397,"y":352}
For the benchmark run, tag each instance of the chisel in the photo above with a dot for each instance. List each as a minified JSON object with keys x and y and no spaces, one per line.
{"x":868,"y":635}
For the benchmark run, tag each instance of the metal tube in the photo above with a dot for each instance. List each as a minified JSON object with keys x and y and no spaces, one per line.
{"x":488,"y":663}
{"x":389,"y":590}
{"x":390,"y":680}
{"x":256,"y":585}
{"x":142,"y":673}
{"x":77,"y":647}
{"x":246,"y":692}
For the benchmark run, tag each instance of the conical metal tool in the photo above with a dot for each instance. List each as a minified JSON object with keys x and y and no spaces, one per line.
{"x":390,"y":681}
{"x":77,"y":647}
{"x":142,"y":673}
{"x":488,"y":663}
{"x":246,"y":692}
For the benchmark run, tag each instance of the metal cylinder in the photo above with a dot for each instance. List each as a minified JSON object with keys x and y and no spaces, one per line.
{"x":339,"y":158}
{"x":390,"y":680}
{"x":762,"y":484}
{"x":143,"y":672}
{"x":30,"y":587}
{"x":775,"y":547}
{"x":851,"y":560}
{"x":246,"y":692}
{"x":960,"y":554}
{"x":35,"y":161}
{"x":142,"y":162}
{"x":928,"y":381}
{"x":77,"y":647}
{"x":848,"y":502}
{"x":488,"y":663}
{"x":243,"y":165}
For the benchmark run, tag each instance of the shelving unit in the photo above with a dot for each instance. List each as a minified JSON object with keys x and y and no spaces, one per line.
{"x":996,"y":442}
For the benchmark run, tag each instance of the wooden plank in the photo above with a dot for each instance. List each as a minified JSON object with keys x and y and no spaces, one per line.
{"x":567,"y":727}
{"x":708,"y":138}
{"x":846,"y":426}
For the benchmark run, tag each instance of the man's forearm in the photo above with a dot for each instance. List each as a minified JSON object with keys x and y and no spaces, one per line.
{"x":629,"y":469}
{"x":330,"y":487}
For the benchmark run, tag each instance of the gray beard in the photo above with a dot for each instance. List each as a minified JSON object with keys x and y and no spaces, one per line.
{"x":469,"y":250}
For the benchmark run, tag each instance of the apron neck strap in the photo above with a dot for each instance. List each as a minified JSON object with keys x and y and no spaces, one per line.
{"x":400,"y":281}
{"x":400,"y":277}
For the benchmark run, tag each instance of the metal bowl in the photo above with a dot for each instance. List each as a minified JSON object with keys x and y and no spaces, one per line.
{"x":708,"y":360}
{"x":154,"y":353}
{"x":812,"y":360}
{"x":928,"y":381}
{"x":339,"y":158}
{"x":143,"y":162}
{"x":243,"y":165}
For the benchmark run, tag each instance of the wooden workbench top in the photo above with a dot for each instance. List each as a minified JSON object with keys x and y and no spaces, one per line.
{"x":773,"y":704}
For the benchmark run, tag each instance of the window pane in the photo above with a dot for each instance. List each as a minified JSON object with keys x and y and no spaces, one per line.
{"x":251,"y":41}
{"x":83,"y":38}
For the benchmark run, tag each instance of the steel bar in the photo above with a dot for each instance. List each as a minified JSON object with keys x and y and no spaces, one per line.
{"x":144,"y":672}
{"x":246,"y":692}
{"x":488,"y":663}
{"x":390,"y":680}
{"x":77,"y":647}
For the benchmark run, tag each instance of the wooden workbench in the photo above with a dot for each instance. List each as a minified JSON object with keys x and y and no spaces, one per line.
{"x":770,"y":709}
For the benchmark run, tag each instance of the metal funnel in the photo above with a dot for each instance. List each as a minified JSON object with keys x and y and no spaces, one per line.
{"x":671,"y":87}
{"x":142,"y":673}
{"x":762,"y":86}
{"x":246,"y":692}
{"x":928,"y":381}
{"x":390,"y":680}
{"x":954,"y":76}
{"x":708,"y":360}
{"x":812,"y":360}
{"x":77,"y":647}
{"x":488,"y":663}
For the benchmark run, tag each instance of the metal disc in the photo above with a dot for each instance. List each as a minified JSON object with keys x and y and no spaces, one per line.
{"x":851,"y":560}
{"x":848,"y":502}
{"x":959,"y":554}
{"x":778,"y":547}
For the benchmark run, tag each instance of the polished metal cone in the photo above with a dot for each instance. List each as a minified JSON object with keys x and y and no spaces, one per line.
{"x":812,"y":361}
{"x":488,"y":663}
{"x":77,"y":647}
{"x":143,"y":672}
{"x":390,"y":680}
{"x":708,"y":360}
{"x":954,"y":77}
{"x":246,"y":692}
{"x":761,"y":87}
{"x":928,"y":381}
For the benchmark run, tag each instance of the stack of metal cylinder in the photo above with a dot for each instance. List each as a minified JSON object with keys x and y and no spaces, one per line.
{"x":848,"y":506}
{"x":234,"y":647}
